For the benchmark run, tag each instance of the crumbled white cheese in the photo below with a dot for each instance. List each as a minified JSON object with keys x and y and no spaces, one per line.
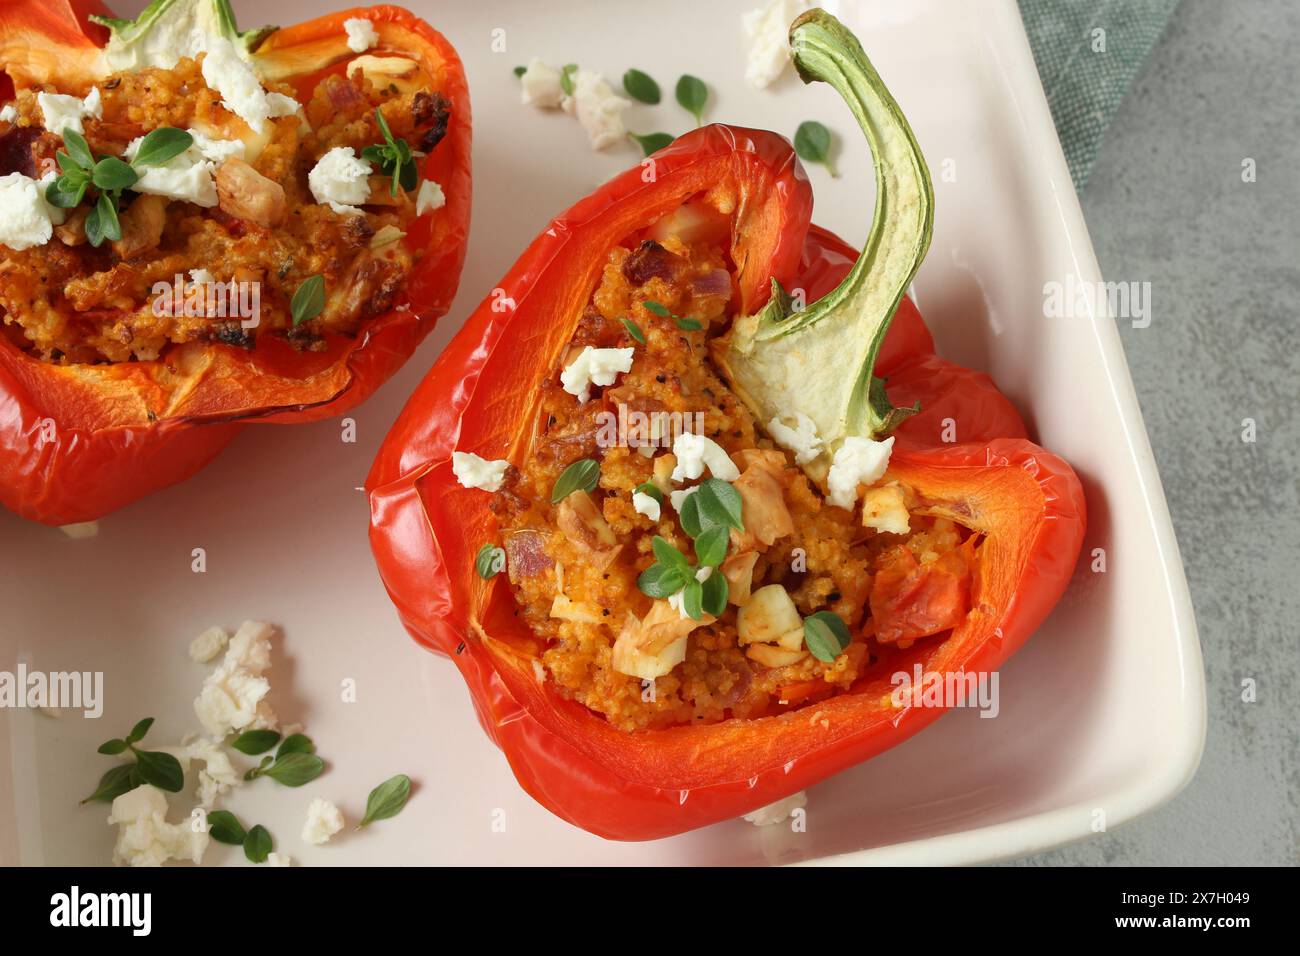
{"x":323,"y":821}
{"x":362,"y":34}
{"x":218,"y":774}
{"x":81,"y":530}
{"x":540,"y":85}
{"x":595,"y":367}
{"x":767,"y":31}
{"x":25,"y":216}
{"x":802,"y":439}
{"x":679,"y":497}
{"x":695,"y":452}
{"x":232,"y":698}
{"x":475,"y":472}
{"x":777,"y":812}
{"x":341,"y":180}
{"x":60,"y":111}
{"x":859,"y":461}
{"x":646,"y":505}
{"x":214,"y":640}
{"x":278,"y":859}
{"x":145,"y":838}
{"x":704,"y":573}
{"x":429,"y":198}
{"x":226,"y":72}
{"x":186,"y":176}
{"x":678,"y":603}
{"x":8,"y":113}
{"x":598,"y":108}
{"x":216,"y":150}
{"x":281,"y":105}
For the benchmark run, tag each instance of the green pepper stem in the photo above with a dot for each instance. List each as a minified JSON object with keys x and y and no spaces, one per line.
{"x":784,"y":364}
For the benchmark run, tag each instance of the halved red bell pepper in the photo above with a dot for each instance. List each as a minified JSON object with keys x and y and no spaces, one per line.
{"x":1025,"y":503}
{"x":79,"y":441}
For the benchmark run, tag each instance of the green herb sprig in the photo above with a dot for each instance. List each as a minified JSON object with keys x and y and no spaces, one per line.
{"x":812,"y":143}
{"x":158,"y":769}
{"x":224,"y":827}
{"x":582,"y":475}
{"x":826,"y":635}
{"x":293,"y":765}
{"x":633,"y":330}
{"x":692,"y":95}
{"x":652,"y":142}
{"x":82,"y":171}
{"x":393,"y":157}
{"x":683,"y":323}
{"x":490,"y":561}
{"x":308,"y":300}
{"x":387,"y":799}
{"x":641,"y":87}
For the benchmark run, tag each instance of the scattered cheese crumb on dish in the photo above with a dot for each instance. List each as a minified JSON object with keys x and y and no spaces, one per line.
{"x":598,"y":108}
{"x":340,"y":180}
{"x":475,"y":472}
{"x":595,"y":367}
{"x":777,"y":812}
{"x":278,"y":859}
{"x":209,"y":644}
{"x":540,"y":85}
{"x":803,"y":439}
{"x":324,"y":820}
{"x":145,"y":838}
{"x":696,"y":452}
{"x":859,"y":461}
{"x":81,"y":530}
{"x":429,"y":198}
{"x":218,"y":775}
{"x":362,"y":34}
{"x":767,"y":31}
{"x":233,"y":696}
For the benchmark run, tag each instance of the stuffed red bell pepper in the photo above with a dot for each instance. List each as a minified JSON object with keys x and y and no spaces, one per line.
{"x":202,"y":227}
{"x":680,"y":510}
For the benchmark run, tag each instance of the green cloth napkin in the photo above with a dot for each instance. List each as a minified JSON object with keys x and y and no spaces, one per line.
{"x":1084,"y":84}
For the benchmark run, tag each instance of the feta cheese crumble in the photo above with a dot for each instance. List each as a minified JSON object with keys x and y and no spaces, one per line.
{"x":187,"y":176}
{"x":540,"y":85}
{"x":362,"y":34}
{"x":25,"y":216}
{"x":475,"y":472}
{"x":695,"y":452}
{"x":598,"y":108}
{"x":232,"y":698}
{"x":777,"y":812}
{"x":226,"y":72}
{"x":144,"y":836}
{"x":595,"y":367}
{"x":60,"y":111}
{"x":8,"y":113}
{"x":341,"y":180}
{"x":859,"y":461}
{"x":218,"y":775}
{"x":767,"y":33}
{"x":646,"y":505}
{"x":278,"y":859}
{"x":429,"y":198}
{"x":323,"y":821}
{"x":802,"y":439}
{"x":213,"y":641}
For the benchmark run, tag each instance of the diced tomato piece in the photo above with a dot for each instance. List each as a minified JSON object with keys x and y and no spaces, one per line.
{"x":910,"y":600}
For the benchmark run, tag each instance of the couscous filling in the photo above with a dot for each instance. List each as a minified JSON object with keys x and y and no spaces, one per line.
{"x":581,"y":567}
{"x":218,"y":254}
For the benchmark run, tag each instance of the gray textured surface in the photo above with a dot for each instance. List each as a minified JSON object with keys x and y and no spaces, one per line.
{"x":1166,"y":204}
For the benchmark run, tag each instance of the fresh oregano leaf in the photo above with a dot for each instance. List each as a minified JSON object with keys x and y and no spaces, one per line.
{"x":161,"y":146}
{"x":308,"y":301}
{"x":387,"y":799}
{"x":224,"y":827}
{"x":121,"y":779}
{"x":254,"y":742}
{"x":490,"y":561}
{"x":652,"y":142}
{"x":826,"y":635}
{"x":692,"y":94}
{"x":812,"y":143}
{"x":295,"y":769}
{"x":257,"y":844}
{"x":641,"y":87}
{"x":582,"y":475}
{"x":161,"y":770}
